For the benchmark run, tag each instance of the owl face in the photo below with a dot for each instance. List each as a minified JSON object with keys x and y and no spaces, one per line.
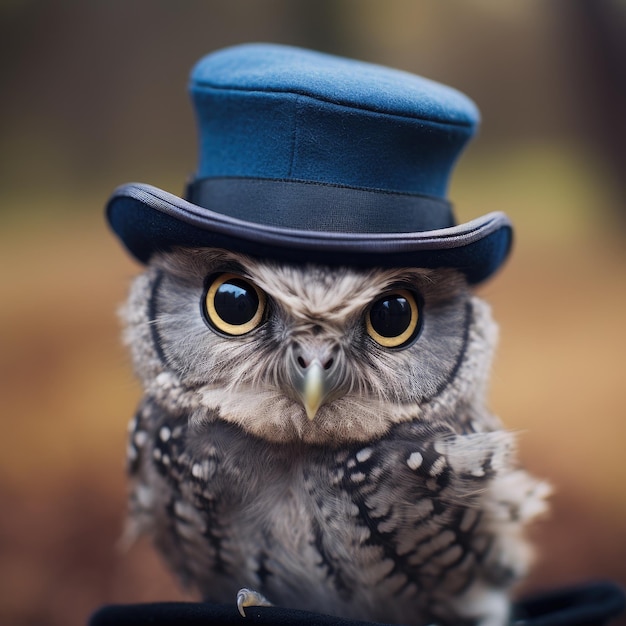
{"x":297,"y":353}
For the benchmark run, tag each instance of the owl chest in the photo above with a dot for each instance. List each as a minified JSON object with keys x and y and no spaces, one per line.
{"x":264,"y":518}
{"x":353,"y":526}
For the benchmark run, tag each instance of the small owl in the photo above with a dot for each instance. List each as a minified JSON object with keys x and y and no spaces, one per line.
{"x":313,"y":429}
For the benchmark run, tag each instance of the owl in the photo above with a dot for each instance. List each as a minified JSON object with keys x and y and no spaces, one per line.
{"x":319,"y":435}
{"x":313,"y":431}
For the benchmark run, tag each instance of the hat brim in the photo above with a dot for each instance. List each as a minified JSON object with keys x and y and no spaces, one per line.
{"x":148,"y":219}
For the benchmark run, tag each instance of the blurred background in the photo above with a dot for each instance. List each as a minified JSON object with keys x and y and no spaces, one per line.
{"x":94,"y":95}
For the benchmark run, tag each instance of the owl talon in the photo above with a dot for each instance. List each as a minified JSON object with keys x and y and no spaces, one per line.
{"x":248,"y":597}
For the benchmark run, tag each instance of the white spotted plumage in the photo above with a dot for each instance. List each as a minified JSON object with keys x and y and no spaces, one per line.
{"x":400,"y":501}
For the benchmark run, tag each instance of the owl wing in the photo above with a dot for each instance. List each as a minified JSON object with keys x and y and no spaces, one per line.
{"x":446,"y":512}
{"x":172,"y":497}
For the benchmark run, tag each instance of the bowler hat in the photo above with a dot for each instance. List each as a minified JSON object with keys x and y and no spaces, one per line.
{"x":307,"y":157}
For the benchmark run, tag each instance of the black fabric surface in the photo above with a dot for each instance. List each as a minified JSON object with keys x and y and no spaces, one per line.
{"x":592,"y":604}
{"x":320,"y":207}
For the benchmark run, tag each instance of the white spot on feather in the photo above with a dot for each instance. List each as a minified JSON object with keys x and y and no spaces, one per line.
{"x":363,"y":455}
{"x":196,"y":471}
{"x":140,"y":438}
{"x":438,"y":466}
{"x":415,"y":460}
{"x":357,"y":477}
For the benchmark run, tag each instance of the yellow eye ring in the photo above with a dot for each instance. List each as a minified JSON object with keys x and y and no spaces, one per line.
{"x":233,"y":305}
{"x":392,"y":320}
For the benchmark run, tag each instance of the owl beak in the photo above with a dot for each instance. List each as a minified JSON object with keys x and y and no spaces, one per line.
{"x":313,"y":381}
{"x":313,"y":392}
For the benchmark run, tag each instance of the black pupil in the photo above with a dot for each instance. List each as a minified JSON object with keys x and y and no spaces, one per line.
{"x":390,"y":316}
{"x":236,"y":302}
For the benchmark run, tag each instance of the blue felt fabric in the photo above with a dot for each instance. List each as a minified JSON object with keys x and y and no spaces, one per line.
{"x":279,"y":112}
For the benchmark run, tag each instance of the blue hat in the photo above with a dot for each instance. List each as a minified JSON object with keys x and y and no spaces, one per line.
{"x":306,"y":157}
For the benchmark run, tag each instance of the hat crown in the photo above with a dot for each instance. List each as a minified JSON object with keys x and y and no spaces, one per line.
{"x":277,"y":112}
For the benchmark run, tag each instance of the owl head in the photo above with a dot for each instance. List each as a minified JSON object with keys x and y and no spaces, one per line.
{"x":319,"y":354}
{"x":313,"y":284}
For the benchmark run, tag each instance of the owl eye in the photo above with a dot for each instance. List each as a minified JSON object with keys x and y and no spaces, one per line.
{"x":393,"y":320}
{"x":233,"y":305}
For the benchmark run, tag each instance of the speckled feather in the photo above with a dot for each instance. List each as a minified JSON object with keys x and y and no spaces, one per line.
{"x":402,"y":501}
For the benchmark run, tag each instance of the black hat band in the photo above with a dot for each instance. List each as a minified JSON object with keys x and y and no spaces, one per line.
{"x":322,"y":207}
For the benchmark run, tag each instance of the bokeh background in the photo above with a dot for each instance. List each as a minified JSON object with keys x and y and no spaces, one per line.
{"x":93,"y":94}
